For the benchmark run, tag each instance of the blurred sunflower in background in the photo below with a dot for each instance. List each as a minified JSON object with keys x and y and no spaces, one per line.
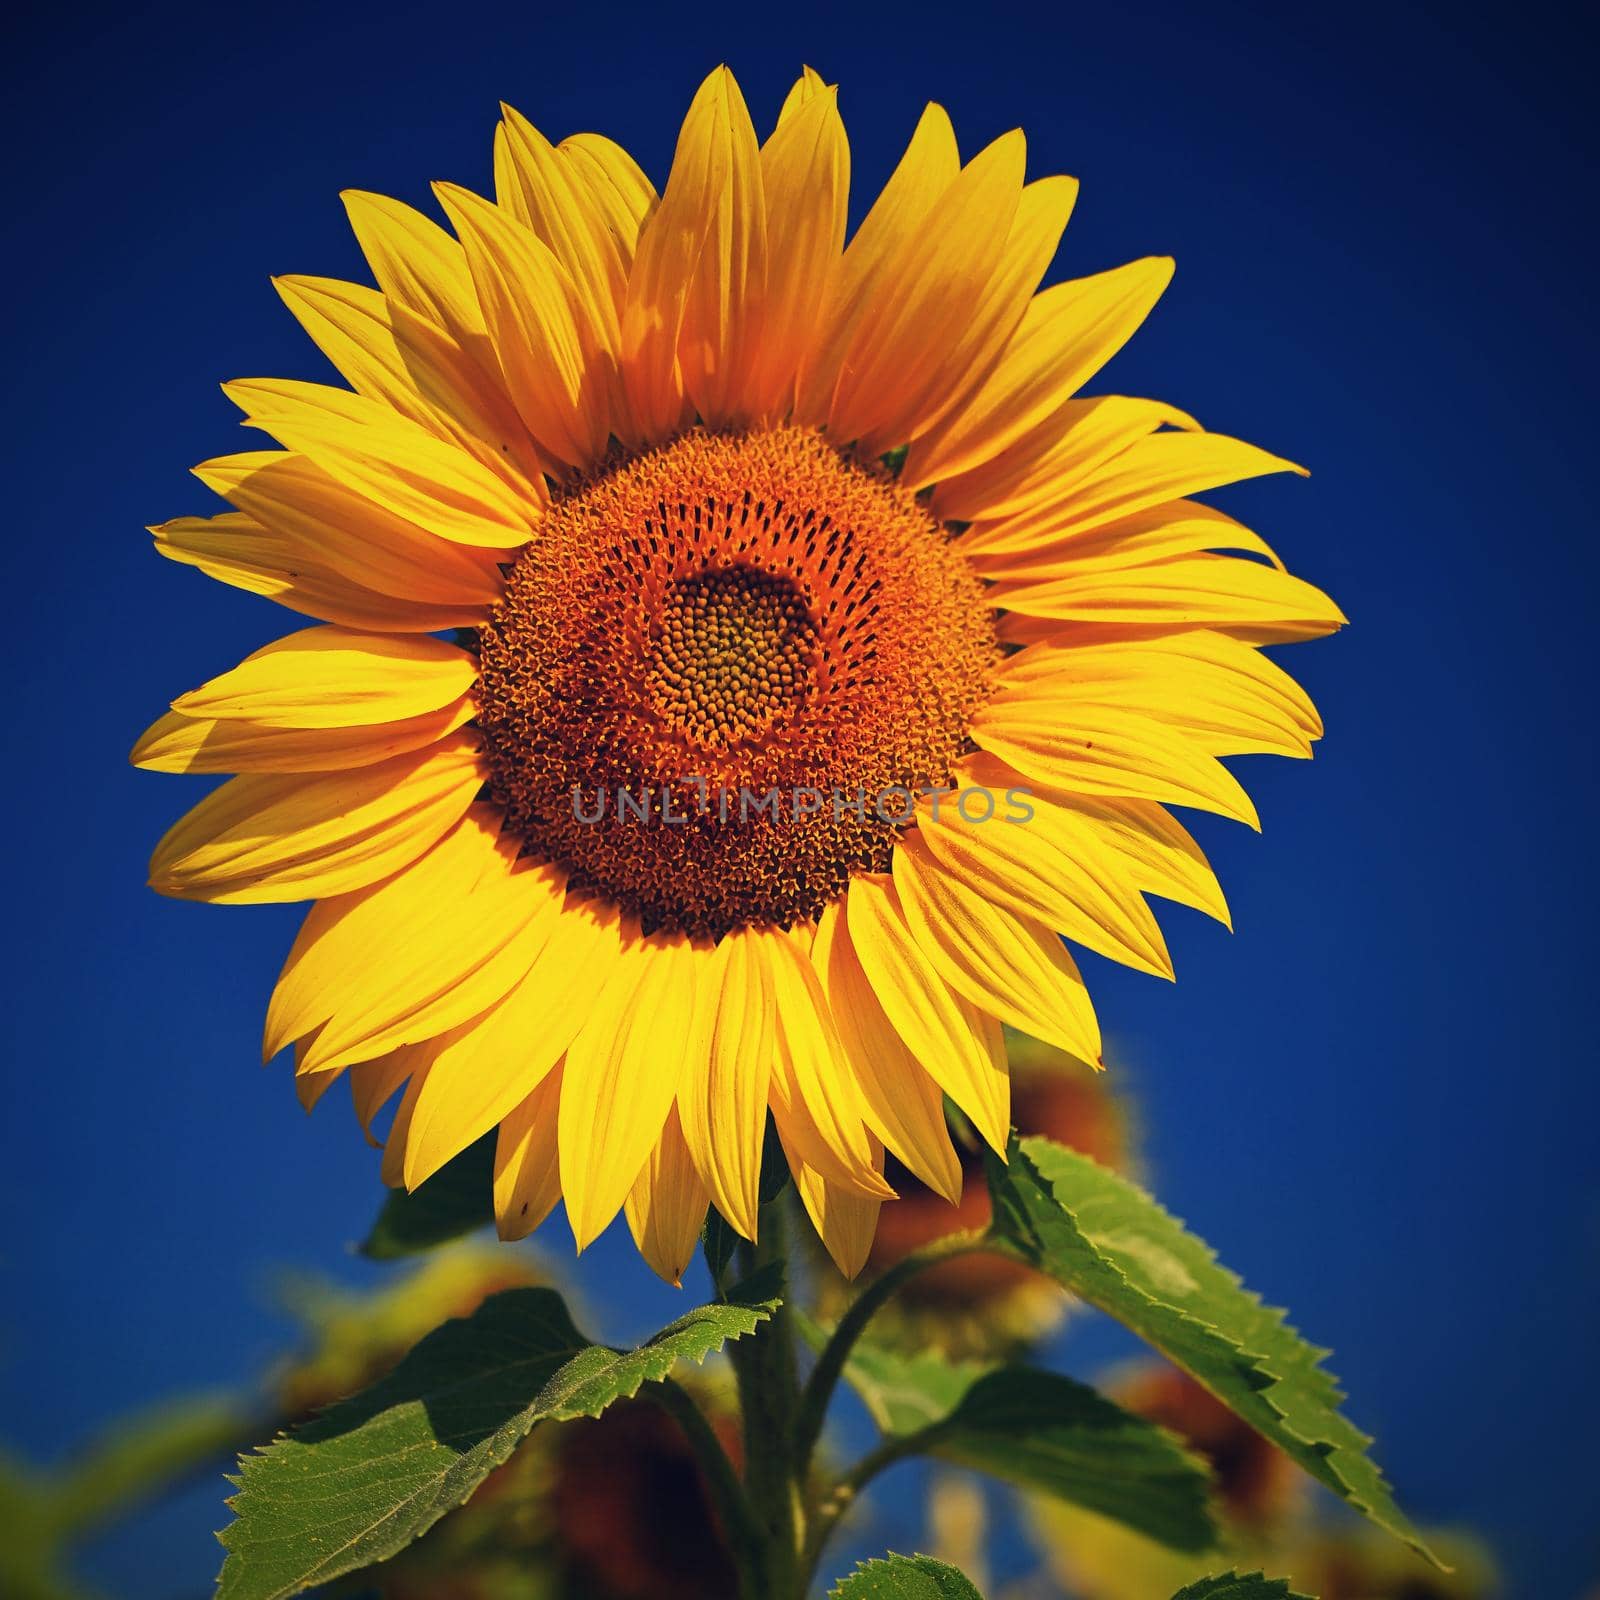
{"x":1271,"y":1515}
{"x":611,"y":1508}
{"x":351,"y":1338}
{"x":712,"y":504}
{"x":979,"y":1304}
{"x":607,"y":1508}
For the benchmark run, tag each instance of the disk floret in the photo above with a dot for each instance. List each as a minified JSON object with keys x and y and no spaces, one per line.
{"x":713,"y":662}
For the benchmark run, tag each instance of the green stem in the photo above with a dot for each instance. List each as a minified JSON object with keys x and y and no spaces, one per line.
{"x":764,"y":1364}
{"x":833,"y":1506}
{"x":824,"y":1379}
{"x":727,"y":1493}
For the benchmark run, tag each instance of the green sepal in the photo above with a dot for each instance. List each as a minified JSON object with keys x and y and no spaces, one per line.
{"x":719,"y":1242}
{"x":457,"y":1199}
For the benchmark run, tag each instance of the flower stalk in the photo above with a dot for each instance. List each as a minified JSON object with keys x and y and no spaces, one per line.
{"x":768,"y":1379}
{"x":780,"y":1517}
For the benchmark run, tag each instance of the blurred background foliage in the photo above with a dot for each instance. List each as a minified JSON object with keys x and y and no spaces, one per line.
{"x":616,"y":1508}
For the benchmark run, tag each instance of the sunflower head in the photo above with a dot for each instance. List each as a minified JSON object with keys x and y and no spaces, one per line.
{"x":351,"y":1340}
{"x":739,"y":658}
{"x":723,"y":619}
{"x":633,"y":1515}
{"x":607,"y":1508}
{"x":1258,"y":1487}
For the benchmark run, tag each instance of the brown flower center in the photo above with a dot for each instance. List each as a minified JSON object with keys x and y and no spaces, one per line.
{"x":717,"y":669}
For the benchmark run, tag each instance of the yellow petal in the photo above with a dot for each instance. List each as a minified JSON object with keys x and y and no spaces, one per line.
{"x":405,"y":470}
{"x":547,"y":193}
{"x":294,"y":397}
{"x":1040,"y":860}
{"x":617,"y":186}
{"x":445,"y":970}
{"x":901,"y":1104}
{"x":623,"y":1072}
{"x":808,"y":87}
{"x":357,"y":539}
{"x":1016,"y":630}
{"x":265,"y":837}
{"x":805,"y":174}
{"x":417,"y":264}
{"x":1022,"y":548}
{"x":1225,"y":696}
{"x":666,"y":1207}
{"x":722,"y":1101}
{"x":723,"y":314}
{"x":309,"y":1087}
{"x":1011,"y":965}
{"x":1058,"y":462}
{"x":373,"y":1082}
{"x":961,"y":364}
{"x":937,"y":279}
{"x":266,"y":402}
{"x":1162,"y":857}
{"x":176,"y":743}
{"x":331,"y":964}
{"x":1198,"y":591}
{"x":813,"y":1091}
{"x":423,"y":273}
{"x":961,"y":1046}
{"x":393,"y":355}
{"x":1067,"y":333}
{"x":542,"y":332}
{"x":483,"y":1068}
{"x":336,"y":678}
{"x":864,"y":275}
{"x":237,"y":550}
{"x":1149,"y":472}
{"x":1057,"y":734}
{"x":527,"y":1171}
{"x":845,"y":1221}
{"x":394,"y":1144}
{"x":670,"y":245}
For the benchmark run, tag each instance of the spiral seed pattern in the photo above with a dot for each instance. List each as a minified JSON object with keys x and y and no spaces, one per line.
{"x":728,"y":613}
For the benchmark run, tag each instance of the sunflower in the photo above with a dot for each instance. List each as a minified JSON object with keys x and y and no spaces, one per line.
{"x":978,"y":1305}
{"x":614,"y":1507}
{"x":740,"y":658}
{"x":1268,"y":1518}
{"x":350,"y":1339}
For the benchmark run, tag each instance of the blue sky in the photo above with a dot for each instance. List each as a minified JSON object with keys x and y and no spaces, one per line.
{"x":1375,"y":1097}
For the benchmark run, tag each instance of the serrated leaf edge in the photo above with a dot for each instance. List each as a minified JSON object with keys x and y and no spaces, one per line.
{"x":1253,"y":1364}
{"x":758,"y":1311}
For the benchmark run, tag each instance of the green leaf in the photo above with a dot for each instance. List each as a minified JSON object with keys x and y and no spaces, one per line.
{"x":457,"y":1199}
{"x":373,"y":1472}
{"x":905,"y":1578}
{"x":1233,"y":1586}
{"x":1041,"y":1431}
{"x":1112,"y":1245}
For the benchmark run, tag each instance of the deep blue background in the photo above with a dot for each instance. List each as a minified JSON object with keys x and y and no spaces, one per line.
{"x":1376,"y":1097}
